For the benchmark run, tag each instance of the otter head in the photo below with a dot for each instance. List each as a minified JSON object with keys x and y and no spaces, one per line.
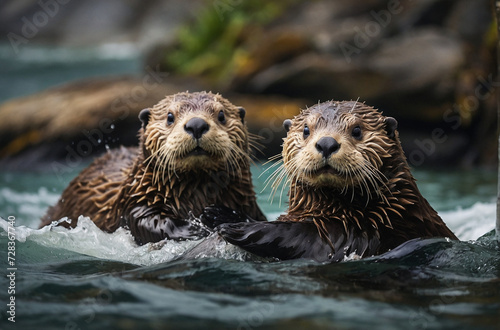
{"x":339,"y":145}
{"x":193,"y":132}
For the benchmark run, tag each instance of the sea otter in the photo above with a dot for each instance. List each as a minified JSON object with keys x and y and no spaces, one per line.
{"x":350,"y":190}
{"x":193,"y":152}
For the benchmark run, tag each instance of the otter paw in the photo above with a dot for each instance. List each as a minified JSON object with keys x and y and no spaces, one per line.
{"x":278,"y":239}
{"x":213,"y":216}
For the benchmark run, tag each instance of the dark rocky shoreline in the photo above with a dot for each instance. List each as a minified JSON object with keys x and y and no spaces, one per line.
{"x":430,"y":64}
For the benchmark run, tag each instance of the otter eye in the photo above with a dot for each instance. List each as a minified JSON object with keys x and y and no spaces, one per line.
{"x":306,"y":131}
{"x":356,"y":132}
{"x":221,"y":117}
{"x":170,"y":118}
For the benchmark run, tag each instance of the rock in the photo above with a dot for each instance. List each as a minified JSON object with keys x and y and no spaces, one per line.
{"x":284,"y":45}
{"x":411,"y":70}
{"x":86,"y":116}
{"x":67,"y":125}
{"x":83,"y":23}
{"x":398,"y":67}
{"x":430,"y":63}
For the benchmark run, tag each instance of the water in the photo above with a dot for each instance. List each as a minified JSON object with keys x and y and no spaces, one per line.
{"x":35,"y":68}
{"x":85,"y":278}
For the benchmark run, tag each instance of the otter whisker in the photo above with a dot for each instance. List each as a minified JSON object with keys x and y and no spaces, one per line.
{"x":376,"y":177}
{"x":163,"y":164}
{"x":170,"y":164}
{"x":277,"y":161}
{"x":233,"y":164}
{"x":382,"y":180}
{"x":351,"y":174}
{"x":277,"y":171}
{"x":275,"y":175}
{"x":288,"y":173}
{"x":369,"y":181}
{"x":293,"y":178}
{"x":365,"y":179}
{"x":145,"y":187}
{"x":363,"y":183}
{"x":254,"y":144}
{"x":274,"y":157}
{"x":236,"y":159}
{"x":319,"y":195}
{"x":151,"y":158}
{"x":277,"y":185}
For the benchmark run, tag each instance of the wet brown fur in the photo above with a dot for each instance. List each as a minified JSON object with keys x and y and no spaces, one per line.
{"x":351,"y":193}
{"x":372,"y":189}
{"x":140,"y":187}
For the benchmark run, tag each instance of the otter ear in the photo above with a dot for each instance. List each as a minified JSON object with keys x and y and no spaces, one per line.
{"x":287,"y":124}
{"x":391,"y":124}
{"x":144,"y":116}
{"x":242,"y":114}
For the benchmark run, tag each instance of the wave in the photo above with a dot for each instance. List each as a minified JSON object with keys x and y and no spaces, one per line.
{"x":8,"y":195}
{"x":87,"y":239}
{"x":471,"y":223}
{"x":26,"y":206}
{"x":467,"y":223}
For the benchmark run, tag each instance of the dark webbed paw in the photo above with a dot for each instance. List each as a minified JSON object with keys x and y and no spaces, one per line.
{"x":279,"y":239}
{"x":214,"y":216}
{"x":156,"y":227}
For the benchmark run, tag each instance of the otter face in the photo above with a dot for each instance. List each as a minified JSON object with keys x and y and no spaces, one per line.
{"x":195,"y":132}
{"x":338,"y":145}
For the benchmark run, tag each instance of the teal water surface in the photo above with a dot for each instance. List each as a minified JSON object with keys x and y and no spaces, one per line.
{"x":87,"y":279}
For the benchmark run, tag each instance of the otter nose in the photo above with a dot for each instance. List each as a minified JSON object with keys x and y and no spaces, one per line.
{"x":327,"y":146}
{"x":196,"y":127}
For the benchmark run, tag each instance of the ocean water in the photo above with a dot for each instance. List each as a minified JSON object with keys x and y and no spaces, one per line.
{"x":33,"y":67}
{"x":87,"y":279}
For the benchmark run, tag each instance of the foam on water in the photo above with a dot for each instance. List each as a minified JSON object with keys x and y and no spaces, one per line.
{"x":471,"y":223}
{"x":467,"y":223}
{"x":27,"y":205}
{"x":88,"y":239}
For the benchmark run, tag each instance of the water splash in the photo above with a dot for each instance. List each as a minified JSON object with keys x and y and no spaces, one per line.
{"x":471,"y":223}
{"x":86,"y":238}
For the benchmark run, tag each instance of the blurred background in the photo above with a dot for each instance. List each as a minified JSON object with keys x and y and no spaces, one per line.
{"x":75,"y":74}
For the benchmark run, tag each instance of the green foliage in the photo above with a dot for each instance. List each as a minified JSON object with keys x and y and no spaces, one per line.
{"x":209,"y":46}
